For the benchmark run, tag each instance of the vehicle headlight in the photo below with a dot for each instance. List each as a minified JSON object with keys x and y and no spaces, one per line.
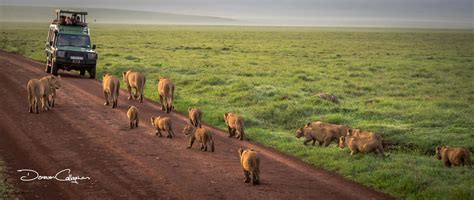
{"x":60,"y":53}
{"x":91,"y":56}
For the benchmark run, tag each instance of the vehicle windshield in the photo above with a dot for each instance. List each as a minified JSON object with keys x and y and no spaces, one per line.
{"x":74,"y":40}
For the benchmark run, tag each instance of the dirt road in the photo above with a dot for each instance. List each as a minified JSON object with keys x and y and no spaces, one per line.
{"x":93,"y":140}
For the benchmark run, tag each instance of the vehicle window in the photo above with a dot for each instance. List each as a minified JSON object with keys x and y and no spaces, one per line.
{"x":73,"y":40}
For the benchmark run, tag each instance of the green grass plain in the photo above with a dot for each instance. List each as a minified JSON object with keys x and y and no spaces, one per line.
{"x":419,"y":82}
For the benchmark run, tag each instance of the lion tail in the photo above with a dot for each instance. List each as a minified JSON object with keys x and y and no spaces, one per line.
{"x":31,"y":97}
{"x":257,"y":166}
{"x":170,"y":98}
{"x":212,"y":144}
{"x":115,"y":93}
{"x":172,"y":94}
{"x":467,"y":157}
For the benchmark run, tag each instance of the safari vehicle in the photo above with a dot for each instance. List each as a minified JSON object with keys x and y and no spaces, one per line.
{"x":68,"y":46}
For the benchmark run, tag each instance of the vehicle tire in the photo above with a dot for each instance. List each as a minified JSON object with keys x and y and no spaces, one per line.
{"x":54,"y":68}
{"x":48,"y":67}
{"x":92,"y":72}
{"x":82,"y":72}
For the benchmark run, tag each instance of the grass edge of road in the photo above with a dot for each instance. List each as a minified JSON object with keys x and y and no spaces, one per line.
{"x":7,"y":190}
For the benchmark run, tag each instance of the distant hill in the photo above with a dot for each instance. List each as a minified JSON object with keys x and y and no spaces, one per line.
{"x":101,"y":15}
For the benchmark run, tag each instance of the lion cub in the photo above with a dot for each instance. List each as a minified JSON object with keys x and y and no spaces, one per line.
{"x":195,"y":116}
{"x":363,"y":134}
{"x":454,"y":156}
{"x":162,"y":124}
{"x":250,"y":163}
{"x":235,"y":124}
{"x":363,"y":145}
{"x":202,"y":135}
{"x":322,"y":135}
{"x":55,"y":83}
{"x":132,"y":115}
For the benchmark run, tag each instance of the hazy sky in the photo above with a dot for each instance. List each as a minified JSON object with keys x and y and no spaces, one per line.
{"x":441,"y":13}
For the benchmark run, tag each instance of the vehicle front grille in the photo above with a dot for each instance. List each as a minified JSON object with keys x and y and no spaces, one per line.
{"x":74,"y":53}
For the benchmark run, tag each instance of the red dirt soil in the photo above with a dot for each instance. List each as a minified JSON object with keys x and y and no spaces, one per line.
{"x":94,"y":140}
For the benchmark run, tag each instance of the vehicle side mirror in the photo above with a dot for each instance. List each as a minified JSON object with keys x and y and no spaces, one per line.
{"x":94,"y":46}
{"x":50,"y":43}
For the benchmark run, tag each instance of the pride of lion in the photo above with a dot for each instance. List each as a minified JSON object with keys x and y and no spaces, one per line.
{"x":132,"y":115}
{"x":42,"y":94}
